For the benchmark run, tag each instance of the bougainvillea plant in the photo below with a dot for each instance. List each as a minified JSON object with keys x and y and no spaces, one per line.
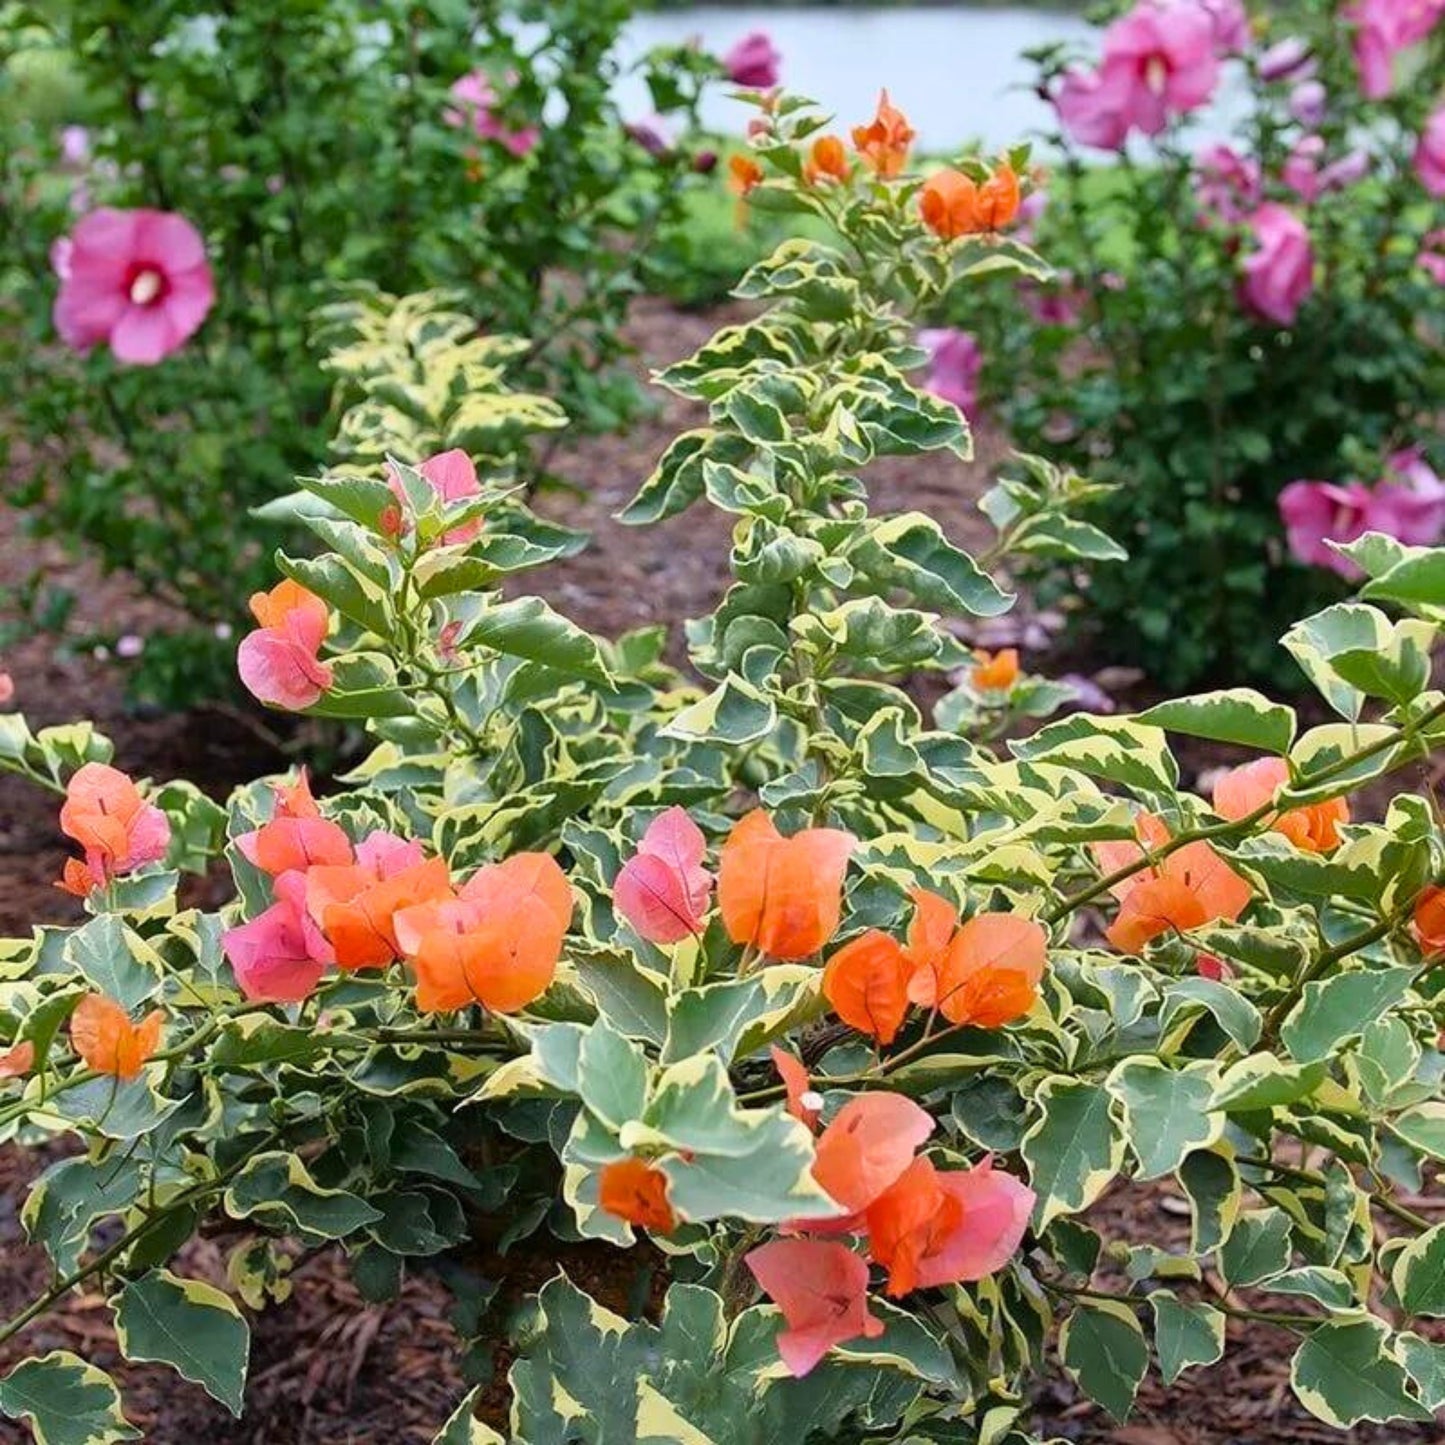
{"x":1246,"y":326}
{"x":854,"y":1015}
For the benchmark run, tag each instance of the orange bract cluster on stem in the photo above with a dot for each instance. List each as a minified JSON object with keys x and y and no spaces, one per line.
{"x":495,"y":940}
{"x":884,"y":142}
{"x":634,"y":1190}
{"x":925,"y":1226}
{"x":827,"y":160}
{"x":995,"y":671}
{"x":782,"y":896}
{"x":1190,"y":887}
{"x":953,"y":204}
{"x":1314,"y":828}
{"x":104,"y":1036}
{"x":119,"y":831}
{"x":985,"y":971}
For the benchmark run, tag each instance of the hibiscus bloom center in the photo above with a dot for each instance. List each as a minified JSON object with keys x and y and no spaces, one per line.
{"x":1156,"y":73}
{"x":146,"y":286}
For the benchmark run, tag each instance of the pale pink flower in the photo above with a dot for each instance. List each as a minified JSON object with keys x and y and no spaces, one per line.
{"x":1410,"y":504}
{"x":1286,"y":59}
{"x":1384,"y":28}
{"x":1307,"y":102}
{"x":74,"y":145}
{"x":477,"y":108}
{"x":1279,"y":273}
{"x":1303,"y":173}
{"x":453,"y":477}
{"x":1060,"y":303}
{"x":1227,"y":184}
{"x":1431,"y":257}
{"x":651,"y":133}
{"x":955,"y":363}
{"x":280,"y":955}
{"x":1430,"y":153}
{"x":7,"y":689}
{"x":754,"y":62}
{"x":663,"y":890}
{"x":1231,"y":25}
{"x":137,"y":281}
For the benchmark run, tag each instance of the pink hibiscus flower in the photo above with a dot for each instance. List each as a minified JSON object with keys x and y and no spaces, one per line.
{"x":955,"y":362}
{"x":754,"y":62}
{"x":1430,"y":153}
{"x":1279,"y":273}
{"x":477,"y":107}
{"x":136,"y":281}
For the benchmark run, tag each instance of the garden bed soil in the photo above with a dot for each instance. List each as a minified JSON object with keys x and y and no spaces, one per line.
{"x":327,"y":1367}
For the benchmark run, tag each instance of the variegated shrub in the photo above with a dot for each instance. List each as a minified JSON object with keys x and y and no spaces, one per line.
{"x":855,"y":1013}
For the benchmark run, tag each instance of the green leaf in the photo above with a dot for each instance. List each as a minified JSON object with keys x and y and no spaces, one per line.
{"x":1258,"y":1247}
{"x":1328,"y":1287}
{"x":1230,"y":1009}
{"x":1418,"y":1274}
{"x":278,"y":1186}
{"x":190,"y":1326}
{"x":1334,"y":1011}
{"x":1166,"y":1111}
{"x":1185,"y":1334}
{"x":1425,"y":1361}
{"x":910,"y":552}
{"x":1235,"y":715}
{"x":1346,"y":627}
{"x":1074,"y":1149}
{"x":611,"y":1076}
{"x":1264,"y":1082}
{"x":527,"y":627}
{"x":1213,"y":1187}
{"x":1418,"y":581}
{"x":67,"y":1401}
{"x":1423,"y":1128}
{"x":1344,"y":1374}
{"x":115,"y":961}
{"x":463,"y":1427}
{"x":735,"y":713}
{"x":1120,"y":750}
{"x":1103,"y":1349}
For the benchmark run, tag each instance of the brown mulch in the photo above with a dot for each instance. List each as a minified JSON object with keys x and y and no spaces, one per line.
{"x":328,"y":1368}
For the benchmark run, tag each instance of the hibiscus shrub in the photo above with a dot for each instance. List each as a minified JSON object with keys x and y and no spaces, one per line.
{"x":234,"y":166}
{"x":852,"y":1013}
{"x":1246,"y":334}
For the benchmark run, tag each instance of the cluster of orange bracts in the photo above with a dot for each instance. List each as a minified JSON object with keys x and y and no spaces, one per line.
{"x":951,"y":203}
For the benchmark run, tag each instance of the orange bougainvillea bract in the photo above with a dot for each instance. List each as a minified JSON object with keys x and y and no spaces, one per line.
{"x":497,"y":943}
{"x":782,"y":896}
{"x":804,"y":1104}
{"x":864,"y":1150}
{"x":279,"y":662}
{"x":884,"y":141}
{"x":990,"y":972}
{"x":744,"y":173}
{"x":1314,"y":828}
{"x":934,"y":1227}
{"x":1430,"y":920}
{"x":119,"y":831}
{"x":995,"y":671}
{"x":953,"y":204}
{"x":634,"y":1190}
{"x":355,"y":905}
{"x":17,"y":1061}
{"x":102,"y":1033}
{"x":822,"y":1289}
{"x":827,"y":160}
{"x":866,"y":982}
{"x":1190,"y":887}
